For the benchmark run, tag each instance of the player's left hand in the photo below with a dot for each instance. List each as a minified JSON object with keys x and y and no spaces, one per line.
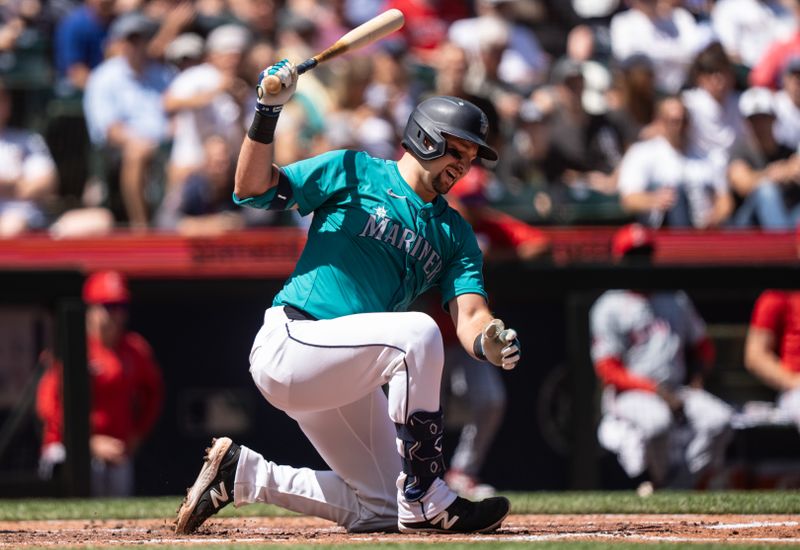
{"x":500,"y":344}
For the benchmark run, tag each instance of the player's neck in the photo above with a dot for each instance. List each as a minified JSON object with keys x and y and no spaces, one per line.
{"x":415,"y":176}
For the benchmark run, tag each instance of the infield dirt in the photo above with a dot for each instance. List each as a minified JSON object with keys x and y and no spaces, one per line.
{"x":757,"y":529}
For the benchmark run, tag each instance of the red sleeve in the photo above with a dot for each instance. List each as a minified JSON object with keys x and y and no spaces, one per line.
{"x":49,"y":405}
{"x":770,"y":310}
{"x":149,"y":388}
{"x":704,"y":353}
{"x":612,"y":372}
{"x":765,"y":73}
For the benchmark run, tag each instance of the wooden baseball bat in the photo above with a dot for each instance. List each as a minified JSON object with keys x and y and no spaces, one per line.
{"x":366,"y":33}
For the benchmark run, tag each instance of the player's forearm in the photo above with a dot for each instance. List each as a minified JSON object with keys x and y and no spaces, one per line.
{"x":254,"y":171}
{"x":768,"y":368}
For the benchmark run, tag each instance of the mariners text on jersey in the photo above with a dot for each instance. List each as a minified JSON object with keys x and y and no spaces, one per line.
{"x":373,"y":244}
{"x":388,"y":231}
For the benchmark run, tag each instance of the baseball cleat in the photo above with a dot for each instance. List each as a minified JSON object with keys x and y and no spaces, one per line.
{"x":464,"y":516}
{"x":213,"y":488}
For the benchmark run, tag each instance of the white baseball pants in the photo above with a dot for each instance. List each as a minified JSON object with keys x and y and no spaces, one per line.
{"x":638,"y":426}
{"x":327,"y":375}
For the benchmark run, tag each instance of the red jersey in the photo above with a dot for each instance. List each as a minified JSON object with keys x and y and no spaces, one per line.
{"x":126,"y":387}
{"x":779,"y":312}
{"x":767,"y":72}
{"x":427,"y":22}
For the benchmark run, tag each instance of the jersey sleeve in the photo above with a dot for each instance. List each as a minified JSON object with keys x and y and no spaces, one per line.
{"x":308,"y":183}
{"x":769,"y":311}
{"x":607,"y":338}
{"x":464,"y":273}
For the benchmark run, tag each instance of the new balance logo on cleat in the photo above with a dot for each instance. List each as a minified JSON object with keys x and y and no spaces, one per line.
{"x":444,"y":520}
{"x":463,"y":516}
{"x":213,"y":488}
{"x":219,"y":498}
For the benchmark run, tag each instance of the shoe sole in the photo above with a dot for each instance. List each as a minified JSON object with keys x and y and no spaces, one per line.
{"x":207,"y":474}
{"x":493,"y":527}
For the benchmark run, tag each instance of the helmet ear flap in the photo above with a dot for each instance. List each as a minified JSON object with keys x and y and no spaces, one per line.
{"x":415,"y":137}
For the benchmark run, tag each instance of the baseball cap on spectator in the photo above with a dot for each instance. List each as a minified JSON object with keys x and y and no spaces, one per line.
{"x":106,"y":287}
{"x":229,"y":38}
{"x":132,"y":24}
{"x":564,"y":69}
{"x":185,"y":46}
{"x":792,"y":64}
{"x":756,"y":101}
{"x":632,"y":239}
{"x":492,"y":32}
{"x":587,"y":9}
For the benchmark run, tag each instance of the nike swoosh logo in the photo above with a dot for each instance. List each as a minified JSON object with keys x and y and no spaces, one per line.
{"x":395,"y":195}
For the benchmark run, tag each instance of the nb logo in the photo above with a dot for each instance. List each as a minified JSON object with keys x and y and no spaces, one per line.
{"x":219,"y":497}
{"x":444,"y":520}
{"x":394,"y":195}
{"x":283,"y":198}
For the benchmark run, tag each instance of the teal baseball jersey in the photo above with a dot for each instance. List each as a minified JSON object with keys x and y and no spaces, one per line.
{"x":374,"y":245}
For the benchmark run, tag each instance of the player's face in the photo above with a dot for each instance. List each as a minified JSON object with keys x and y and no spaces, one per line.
{"x":450,"y":168}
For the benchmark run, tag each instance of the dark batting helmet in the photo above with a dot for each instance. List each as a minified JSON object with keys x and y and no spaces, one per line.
{"x":445,"y":115}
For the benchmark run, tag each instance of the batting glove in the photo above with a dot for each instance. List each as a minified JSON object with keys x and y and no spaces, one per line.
{"x":272,"y":104}
{"x":500,"y":345}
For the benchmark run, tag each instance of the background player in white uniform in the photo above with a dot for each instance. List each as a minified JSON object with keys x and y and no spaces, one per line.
{"x":640,"y":344}
{"x":338,"y":331}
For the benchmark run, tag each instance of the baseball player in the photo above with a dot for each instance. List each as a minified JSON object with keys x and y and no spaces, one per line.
{"x":381,"y":235}
{"x":651,"y":397}
{"x":771,"y":350}
{"x":127,"y":390}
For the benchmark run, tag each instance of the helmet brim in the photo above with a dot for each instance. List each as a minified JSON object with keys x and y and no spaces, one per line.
{"x":484,"y":151}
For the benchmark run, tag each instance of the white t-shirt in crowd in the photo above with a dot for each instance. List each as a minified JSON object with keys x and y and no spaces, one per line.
{"x":670,"y":43}
{"x":714,"y":126}
{"x":655,"y":164}
{"x":787,"y":121}
{"x":194,"y":126}
{"x":23,"y":154}
{"x":746,"y":28}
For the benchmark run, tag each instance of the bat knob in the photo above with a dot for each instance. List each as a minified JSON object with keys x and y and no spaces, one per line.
{"x":272,"y":84}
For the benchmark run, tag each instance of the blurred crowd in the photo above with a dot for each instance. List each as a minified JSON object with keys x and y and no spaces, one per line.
{"x":672,"y":113}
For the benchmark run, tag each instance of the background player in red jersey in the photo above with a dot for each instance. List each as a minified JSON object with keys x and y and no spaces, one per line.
{"x":772,"y":348}
{"x":126,"y":390}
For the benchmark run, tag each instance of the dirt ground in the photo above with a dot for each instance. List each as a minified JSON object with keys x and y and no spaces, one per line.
{"x":759,"y":529}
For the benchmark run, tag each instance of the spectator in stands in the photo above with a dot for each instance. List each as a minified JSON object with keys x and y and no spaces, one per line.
{"x":746,"y":28}
{"x":667,"y":34}
{"x":79,"y":39}
{"x":764,"y":174}
{"x":28,"y":176}
{"x":126,"y":390}
{"x":523,"y":64}
{"x":787,"y":105}
{"x":633,"y":97}
{"x":666,"y":181}
{"x":207,"y":100}
{"x":771,"y":352}
{"x":185,"y":51}
{"x":772,"y":64}
{"x":651,"y":353}
{"x":202,"y":205}
{"x":125,"y":114}
{"x":713,"y":104}
{"x":426,"y":24}
{"x":588,"y":147}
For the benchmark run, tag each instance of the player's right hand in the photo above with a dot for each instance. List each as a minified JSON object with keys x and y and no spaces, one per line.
{"x":500,"y":345}
{"x":271,"y":104}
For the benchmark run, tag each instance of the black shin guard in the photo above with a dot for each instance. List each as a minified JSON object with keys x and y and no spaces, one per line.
{"x":422,"y":451}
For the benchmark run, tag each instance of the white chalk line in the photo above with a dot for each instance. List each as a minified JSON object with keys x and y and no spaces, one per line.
{"x":753,"y":525}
